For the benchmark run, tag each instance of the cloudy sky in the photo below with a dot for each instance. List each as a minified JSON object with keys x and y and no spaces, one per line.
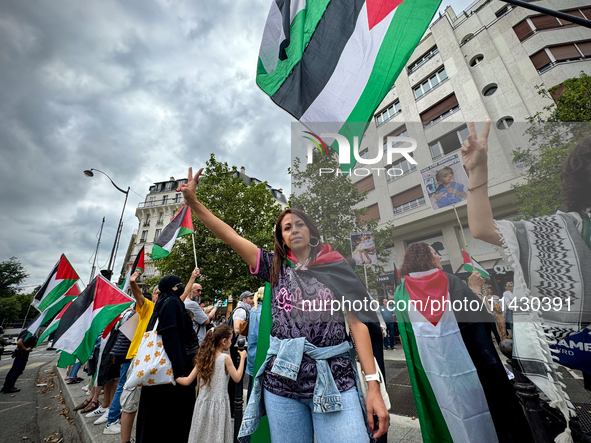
{"x":139,"y":90}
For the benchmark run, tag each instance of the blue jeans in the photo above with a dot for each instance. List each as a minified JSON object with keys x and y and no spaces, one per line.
{"x":389,"y":341}
{"x":74,"y":369}
{"x":115,"y":408}
{"x":292,"y":421}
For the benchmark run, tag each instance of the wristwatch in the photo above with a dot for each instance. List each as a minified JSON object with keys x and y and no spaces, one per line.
{"x":373,"y":377}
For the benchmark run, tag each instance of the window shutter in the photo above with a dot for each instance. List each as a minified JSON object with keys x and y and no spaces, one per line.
{"x":545,"y":22}
{"x":540,"y":59}
{"x":373,"y":213}
{"x":523,"y":30}
{"x":573,"y":12}
{"x":585,"y":48}
{"x":367,"y":184}
{"x":565,"y":52}
{"x":587,"y":12}
{"x":407,"y":196}
{"x":434,"y":111}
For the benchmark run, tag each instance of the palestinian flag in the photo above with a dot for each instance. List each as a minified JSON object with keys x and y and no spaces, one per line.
{"x":54,"y":310}
{"x":53,"y":325}
{"x":180,"y":225}
{"x":335,"y":60}
{"x":92,"y":311}
{"x":460,"y":386}
{"x":57,"y":284}
{"x":105,"y":335}
{"x":137,"y":264}
{"x":468,"y":265}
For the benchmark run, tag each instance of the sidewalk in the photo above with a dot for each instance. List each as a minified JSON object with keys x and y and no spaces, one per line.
{"x":402,"y":429}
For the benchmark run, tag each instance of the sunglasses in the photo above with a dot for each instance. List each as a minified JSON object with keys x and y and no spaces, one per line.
{"x":198,"y":290}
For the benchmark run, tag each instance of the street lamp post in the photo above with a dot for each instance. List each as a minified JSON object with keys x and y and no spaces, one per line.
{"x":89,"y":173}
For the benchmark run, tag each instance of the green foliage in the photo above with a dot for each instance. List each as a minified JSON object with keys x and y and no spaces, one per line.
{"x":249,"y":210}
{"x":12,"y":274}
{"x":550,"y":142}
{"x":331,"y":200}
{"x":13,"y":306}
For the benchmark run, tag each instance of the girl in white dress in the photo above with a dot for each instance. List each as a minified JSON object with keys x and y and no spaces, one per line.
{"x":211,"y":417}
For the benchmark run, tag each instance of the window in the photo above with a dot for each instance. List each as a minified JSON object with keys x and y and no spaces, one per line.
{"x":146,"y":221}
{"x":423,"y":59}
{"x":430,"y":83}
{"x":178,"y":198}
{"x":157,"y":234}
{"x":403,"y":166}
{"x":144,"y":236}
{"x":165,"y":200}
{"x":541,"y":60}
{"x":367,"y":184}
{"x":489,"y":90}
{"x":564,"y":53}
{"x":449,"y":143}
{"x":402,"y":132}
{"x":523,"y":30}
{"x":373,"y":213}
{"x":169,"y":186}
{"x":362,"y":154}
{"x":466,"y":38}
{"x":388,"y":113}
{"x":501,"y":12}
{"x":545,"y":22}
{"x":476,"y":60}
{"x":440,"y":110}
{"x":408,"y":199}
{"x":505,"y":123}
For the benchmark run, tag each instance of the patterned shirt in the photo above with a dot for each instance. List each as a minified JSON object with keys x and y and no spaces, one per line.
{"x":291,"y":321}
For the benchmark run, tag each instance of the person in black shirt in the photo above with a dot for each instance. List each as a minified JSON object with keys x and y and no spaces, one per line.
{"x":165,"y":411}
{"x":25,"y":344}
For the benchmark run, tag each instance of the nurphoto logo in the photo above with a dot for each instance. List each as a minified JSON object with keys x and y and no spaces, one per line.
{"x":394,"y":145}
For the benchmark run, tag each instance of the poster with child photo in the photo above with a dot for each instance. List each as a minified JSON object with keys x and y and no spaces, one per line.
{"x":363,"y":248}
{"x":446,"y":182}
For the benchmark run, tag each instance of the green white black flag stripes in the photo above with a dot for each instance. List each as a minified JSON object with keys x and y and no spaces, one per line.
{"x":89,"y":314}
{"x":61,"y":279}
{"x":180,"y":225}
{"x":333,"y":61}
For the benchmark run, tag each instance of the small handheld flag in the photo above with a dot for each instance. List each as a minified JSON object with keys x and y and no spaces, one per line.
{"x":180,"y":225}
{"x":468,"y":265}
{"x":137,"y":264}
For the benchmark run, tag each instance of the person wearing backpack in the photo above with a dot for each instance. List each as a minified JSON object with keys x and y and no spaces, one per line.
{"x":238,"y":321}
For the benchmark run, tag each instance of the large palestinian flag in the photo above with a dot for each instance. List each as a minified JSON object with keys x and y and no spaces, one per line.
{"x":53,"y":312}
{"x":460,"y":387}
{"x":92,"y":311}
{"x":334,"y":61}
{"x":60,"y":280}
{"x":180,"y":225}
{"x":137,"y":264}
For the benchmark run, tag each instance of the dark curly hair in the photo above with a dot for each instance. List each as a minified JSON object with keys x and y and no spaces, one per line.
{"x":417,"y":258}
{"x":576,"y":177}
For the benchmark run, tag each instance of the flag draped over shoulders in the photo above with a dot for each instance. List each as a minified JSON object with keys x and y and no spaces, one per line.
{"x":461,"y":389}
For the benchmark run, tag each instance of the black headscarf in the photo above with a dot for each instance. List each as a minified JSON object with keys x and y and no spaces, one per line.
{"x":165,"y":285}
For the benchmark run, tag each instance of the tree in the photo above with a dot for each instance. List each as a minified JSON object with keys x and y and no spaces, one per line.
{"x":331,"y":201}
{"x":12,"y":274}
{"x":553,"y":134}
{"x":250,"y":210}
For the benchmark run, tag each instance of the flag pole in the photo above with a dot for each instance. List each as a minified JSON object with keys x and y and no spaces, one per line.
{"x":26,"y":315}
{"x":194,"y":250}
{"x":464,"y":237}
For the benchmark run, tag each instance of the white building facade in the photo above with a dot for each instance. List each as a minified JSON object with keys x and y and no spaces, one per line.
{"x":483,"y":64}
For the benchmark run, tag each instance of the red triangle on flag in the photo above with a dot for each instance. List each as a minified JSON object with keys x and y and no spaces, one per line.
{"x":65,"y":270}
{"x":108,"y":294}
{"x":73,"y":291}
{"x":378,"y":10}
{"x":426,"y":290}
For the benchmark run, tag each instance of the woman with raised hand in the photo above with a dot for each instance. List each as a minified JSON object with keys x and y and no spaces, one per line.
{"x":307,"y":385}
{"x":550,"y":257}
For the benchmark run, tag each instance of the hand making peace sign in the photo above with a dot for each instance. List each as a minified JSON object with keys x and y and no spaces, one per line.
{"x":474,"y":150}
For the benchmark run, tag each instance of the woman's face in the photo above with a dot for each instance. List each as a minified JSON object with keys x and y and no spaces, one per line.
{"x":295,"y":233}
{"x":436,"y":258}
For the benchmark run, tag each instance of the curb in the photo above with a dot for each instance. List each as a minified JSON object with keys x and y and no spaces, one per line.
{"x":73,"y":396}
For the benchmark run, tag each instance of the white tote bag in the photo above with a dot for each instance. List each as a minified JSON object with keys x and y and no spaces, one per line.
{"x":151,"y":366}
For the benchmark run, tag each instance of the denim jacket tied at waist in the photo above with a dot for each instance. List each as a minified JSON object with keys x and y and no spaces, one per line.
{"x":290,"y":352}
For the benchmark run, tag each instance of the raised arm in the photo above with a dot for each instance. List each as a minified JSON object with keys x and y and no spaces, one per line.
{"x":475,"y":158}
{"x":246,"y":249}
{"x":195,"y":274}
{"x":135,"y":289}
{"x":236,"y":374}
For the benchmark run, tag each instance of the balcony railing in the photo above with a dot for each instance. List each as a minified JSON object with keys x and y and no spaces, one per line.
{"x":173,"y":201}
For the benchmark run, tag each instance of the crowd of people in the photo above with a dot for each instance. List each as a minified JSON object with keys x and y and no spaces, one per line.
{"x":308,"y":385}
